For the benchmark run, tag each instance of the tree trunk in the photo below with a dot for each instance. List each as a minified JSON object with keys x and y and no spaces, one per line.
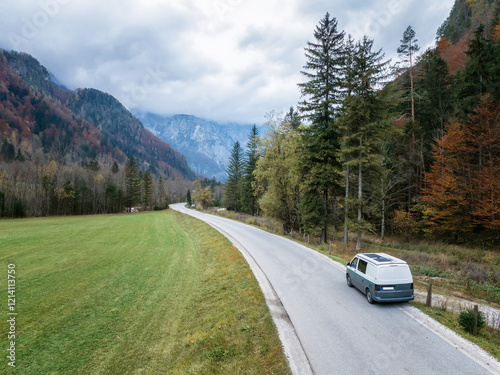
{"x":360,"y":196}
{"x":382,"y":224}
{"x":324,"y":231}
{"x":411,"y":88}
{"x":346,"y":215}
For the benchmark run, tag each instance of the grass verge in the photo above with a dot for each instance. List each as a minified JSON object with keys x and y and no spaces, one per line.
{"x":153,"y":293}
{"x":488,"y":338}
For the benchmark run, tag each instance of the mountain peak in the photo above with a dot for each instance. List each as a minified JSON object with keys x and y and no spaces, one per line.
{"x":207,"y":144}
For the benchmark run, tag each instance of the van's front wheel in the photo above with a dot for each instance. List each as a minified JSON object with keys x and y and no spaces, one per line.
{"x":369,"y":296}
{"x":349,"y":283}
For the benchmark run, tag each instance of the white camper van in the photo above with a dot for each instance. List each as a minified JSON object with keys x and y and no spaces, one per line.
{"x":382,"y":277}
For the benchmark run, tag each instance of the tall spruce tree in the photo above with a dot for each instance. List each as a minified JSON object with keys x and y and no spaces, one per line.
{"x":132,"y":183}
{"x":481,"y":74}
{"x":407,"y":51}
{"x":363,"y":122}
{"x":323,"y":93}
{"x":435,"y":103}
{"x":249,"y":201}
{"x":232,"y":193}
{"x":147,"y":189}
{"x":349,"y":87}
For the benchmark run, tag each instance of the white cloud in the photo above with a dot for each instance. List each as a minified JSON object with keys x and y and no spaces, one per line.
{"x":229,"y":60}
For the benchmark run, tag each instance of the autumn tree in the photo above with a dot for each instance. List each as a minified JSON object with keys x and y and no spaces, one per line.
{"x":279,"y":175}
{"x":447,"y":193}
{"x":202,"y":196}
{"x":483,"y":134}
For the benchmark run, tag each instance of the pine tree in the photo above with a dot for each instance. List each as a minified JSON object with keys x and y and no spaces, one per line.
{"x":435,"y":102}
{"x":132,"y":184}
{"x":349,"y":86}
{"x":364,"y":121}
{"x":232,"y":193}
{"x":323,"y":93}
{"x":249,"y":201}
{"x":481,"y":73}
{"x":188,"y":198}
{"x":7,"y":150}
{"x":147,"y":189}
{"x":115,"y":168}
{"x":407,"y":51}
{"x":293,"y":118}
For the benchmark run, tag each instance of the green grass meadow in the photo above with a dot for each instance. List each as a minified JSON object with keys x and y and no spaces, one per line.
{"x":151,"y":293}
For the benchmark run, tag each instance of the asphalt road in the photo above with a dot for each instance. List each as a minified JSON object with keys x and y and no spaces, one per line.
{"x":339,"y":331}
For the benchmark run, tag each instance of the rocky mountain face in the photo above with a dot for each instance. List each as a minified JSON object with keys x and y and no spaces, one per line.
{"x":206,"y":144}
{"x":39,"y":117}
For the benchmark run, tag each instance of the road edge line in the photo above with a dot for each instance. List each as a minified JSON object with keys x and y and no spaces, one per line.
{"x":292,"y":346}
{"x":467,"y":347}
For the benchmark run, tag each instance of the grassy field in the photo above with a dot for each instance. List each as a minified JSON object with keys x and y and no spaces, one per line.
{"x":153,"y":293}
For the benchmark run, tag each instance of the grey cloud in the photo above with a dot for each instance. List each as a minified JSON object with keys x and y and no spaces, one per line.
{"x":150,"y":53}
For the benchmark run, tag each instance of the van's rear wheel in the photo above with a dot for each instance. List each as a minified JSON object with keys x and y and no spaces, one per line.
{"x":369,"y":296}
{"x":349,"y":283}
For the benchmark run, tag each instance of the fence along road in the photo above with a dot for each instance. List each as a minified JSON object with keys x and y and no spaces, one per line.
{"x":328,"y":328}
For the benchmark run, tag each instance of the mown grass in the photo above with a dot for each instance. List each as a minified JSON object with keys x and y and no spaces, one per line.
{"x":153,"y":293}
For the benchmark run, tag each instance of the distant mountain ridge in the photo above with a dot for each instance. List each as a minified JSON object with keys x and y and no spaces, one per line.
{"x":206,"y":144}
{"x":466,"y":16}
{"x":37,"y":115}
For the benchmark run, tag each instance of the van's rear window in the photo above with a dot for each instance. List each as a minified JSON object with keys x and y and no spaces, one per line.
{"x":396,"y":273}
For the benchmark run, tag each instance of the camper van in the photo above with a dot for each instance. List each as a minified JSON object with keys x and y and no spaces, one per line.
{"x":382,"y":277}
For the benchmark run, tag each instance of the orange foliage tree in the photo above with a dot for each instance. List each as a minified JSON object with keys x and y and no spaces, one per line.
{"x":483,"y":134}
{"x":448,"y":191}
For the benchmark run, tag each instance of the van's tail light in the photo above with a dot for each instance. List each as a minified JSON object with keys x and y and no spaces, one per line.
{"x":377,"y":287}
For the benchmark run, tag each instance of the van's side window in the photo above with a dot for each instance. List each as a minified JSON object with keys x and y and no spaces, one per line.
{"x":362,"y":265}
{"x":354,"y":263}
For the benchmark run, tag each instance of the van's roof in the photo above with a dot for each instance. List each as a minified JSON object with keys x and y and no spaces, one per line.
{"x":381,"y":258}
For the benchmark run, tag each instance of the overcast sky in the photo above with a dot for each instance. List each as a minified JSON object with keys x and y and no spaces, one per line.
{"x":225,"y":60}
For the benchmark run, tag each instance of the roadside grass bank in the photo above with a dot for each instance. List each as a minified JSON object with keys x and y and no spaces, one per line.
{"x":488,"y":338}
{"x":151,"y":293}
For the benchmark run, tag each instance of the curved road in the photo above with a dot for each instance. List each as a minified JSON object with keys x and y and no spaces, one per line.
{"x":339,"y":332}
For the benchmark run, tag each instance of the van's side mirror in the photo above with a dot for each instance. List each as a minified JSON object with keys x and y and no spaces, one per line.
{"x":348,"y":264}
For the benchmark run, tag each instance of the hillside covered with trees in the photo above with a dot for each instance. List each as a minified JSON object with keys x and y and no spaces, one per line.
{"x":65,"y":152}
{"x":411,"y":148}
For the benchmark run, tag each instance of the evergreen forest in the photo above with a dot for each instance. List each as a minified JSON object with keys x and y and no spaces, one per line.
{"x":408,"y":147}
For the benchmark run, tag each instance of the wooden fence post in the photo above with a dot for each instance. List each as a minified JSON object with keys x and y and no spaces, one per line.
{"x":476,"y":314}
{"x":429,"y":296}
